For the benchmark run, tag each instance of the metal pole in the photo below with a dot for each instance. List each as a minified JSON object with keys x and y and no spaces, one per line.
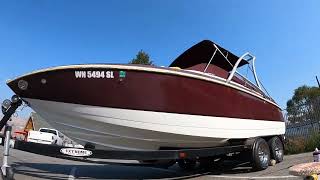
{"x":6,"y":150}
{"x":236,"y":66}
{"x":318,"y":81}
{"x":214,"y":53}
{"x":254,"y":72}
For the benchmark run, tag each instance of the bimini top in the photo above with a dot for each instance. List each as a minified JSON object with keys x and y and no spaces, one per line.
{"x":203,"y":52}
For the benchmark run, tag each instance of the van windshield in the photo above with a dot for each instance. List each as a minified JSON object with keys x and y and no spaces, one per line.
{"x":48,"y":131}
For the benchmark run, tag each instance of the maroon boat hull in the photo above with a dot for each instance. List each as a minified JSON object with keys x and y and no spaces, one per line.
{"x":148,"y":91}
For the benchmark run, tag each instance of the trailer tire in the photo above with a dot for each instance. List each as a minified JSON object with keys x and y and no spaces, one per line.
{"x":206,"y":162}
{"x":187,"y":164}
{"x":276,"y":149}
{"x":260,"y":154}
{"x":89,"y":146}
{"x":163,"y":163}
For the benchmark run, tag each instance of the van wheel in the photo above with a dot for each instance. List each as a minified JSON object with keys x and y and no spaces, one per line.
{"x":187,"y":164}
{"x":276,"y":149}
{"x":260,"y":154}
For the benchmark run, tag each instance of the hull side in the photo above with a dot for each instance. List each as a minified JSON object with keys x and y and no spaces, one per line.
{"x":149,"y":91}
{"x":114,"y":128}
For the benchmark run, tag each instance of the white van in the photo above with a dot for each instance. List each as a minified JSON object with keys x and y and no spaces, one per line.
{"x":46,"y":136}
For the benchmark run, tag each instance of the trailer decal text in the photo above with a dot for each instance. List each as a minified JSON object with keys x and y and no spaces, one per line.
{"x":75,"y":152}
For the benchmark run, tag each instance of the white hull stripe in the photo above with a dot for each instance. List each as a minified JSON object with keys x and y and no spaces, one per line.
{"x":191,"y":125}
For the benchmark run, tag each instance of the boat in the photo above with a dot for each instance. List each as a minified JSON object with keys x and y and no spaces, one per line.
{"x":200,"y":100}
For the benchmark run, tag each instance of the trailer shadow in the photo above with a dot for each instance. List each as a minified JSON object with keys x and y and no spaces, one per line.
{"x":121,"y":171}
{"x":61,"y":171}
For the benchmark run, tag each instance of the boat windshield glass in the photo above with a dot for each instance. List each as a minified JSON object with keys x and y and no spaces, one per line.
{"x":246,"y":74}
{"x":48,"y":131}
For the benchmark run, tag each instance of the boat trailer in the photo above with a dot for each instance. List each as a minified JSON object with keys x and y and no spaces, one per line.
{"x":82,"y":154}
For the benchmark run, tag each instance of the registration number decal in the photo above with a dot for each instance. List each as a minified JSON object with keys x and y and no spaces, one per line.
{"x":94,"y":74}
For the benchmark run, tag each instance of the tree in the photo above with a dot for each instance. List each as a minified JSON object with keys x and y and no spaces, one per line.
{"x":304,"y":104}
{"x":142,"y":58}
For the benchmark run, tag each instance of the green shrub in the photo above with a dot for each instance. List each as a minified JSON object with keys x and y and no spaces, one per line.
{"x":295,"y":145}
{"x":313,"y":142}
{"x":300,"y":144}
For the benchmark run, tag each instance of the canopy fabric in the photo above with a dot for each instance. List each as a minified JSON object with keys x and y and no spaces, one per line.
{"x":202,"y":53}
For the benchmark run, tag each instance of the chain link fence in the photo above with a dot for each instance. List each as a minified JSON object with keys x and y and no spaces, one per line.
{"x":303,"y":120}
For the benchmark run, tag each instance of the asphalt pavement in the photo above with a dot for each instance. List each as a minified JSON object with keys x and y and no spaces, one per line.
{"x":33,"y":166}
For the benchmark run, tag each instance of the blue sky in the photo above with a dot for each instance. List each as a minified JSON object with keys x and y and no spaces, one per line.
{"x":283,"y":35}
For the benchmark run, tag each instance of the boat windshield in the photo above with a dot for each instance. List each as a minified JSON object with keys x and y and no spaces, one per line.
{"x":234,"y":69}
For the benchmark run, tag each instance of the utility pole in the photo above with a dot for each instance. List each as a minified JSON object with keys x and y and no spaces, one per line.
{"x":318,"y":81}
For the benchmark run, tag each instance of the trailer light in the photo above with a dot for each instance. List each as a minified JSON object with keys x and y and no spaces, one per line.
{"x":5,"y":105}
{"x":22,"y":84}
{"x":43,"y":81}
{"x":182,"y":155}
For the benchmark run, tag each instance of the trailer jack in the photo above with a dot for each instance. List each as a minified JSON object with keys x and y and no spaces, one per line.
{"x":8,"y":109}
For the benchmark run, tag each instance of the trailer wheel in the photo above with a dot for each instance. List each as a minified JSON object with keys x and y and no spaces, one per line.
{"x":187,"y":164}
{"x":260,"y":154}
{"x":276,"y":149}
{"x":208,"y":163}
{"x":89,"y":146}
{"x":163,"y":163}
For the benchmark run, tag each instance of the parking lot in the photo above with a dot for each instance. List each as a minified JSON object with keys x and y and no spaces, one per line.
{"x":32,"y":166}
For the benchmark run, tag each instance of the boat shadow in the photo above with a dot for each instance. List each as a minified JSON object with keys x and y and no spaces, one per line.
{"x":121,"y":171}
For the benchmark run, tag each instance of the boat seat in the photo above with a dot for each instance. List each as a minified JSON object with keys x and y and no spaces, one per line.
{"x":217,"y":71}
{"x":212,"y":69}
